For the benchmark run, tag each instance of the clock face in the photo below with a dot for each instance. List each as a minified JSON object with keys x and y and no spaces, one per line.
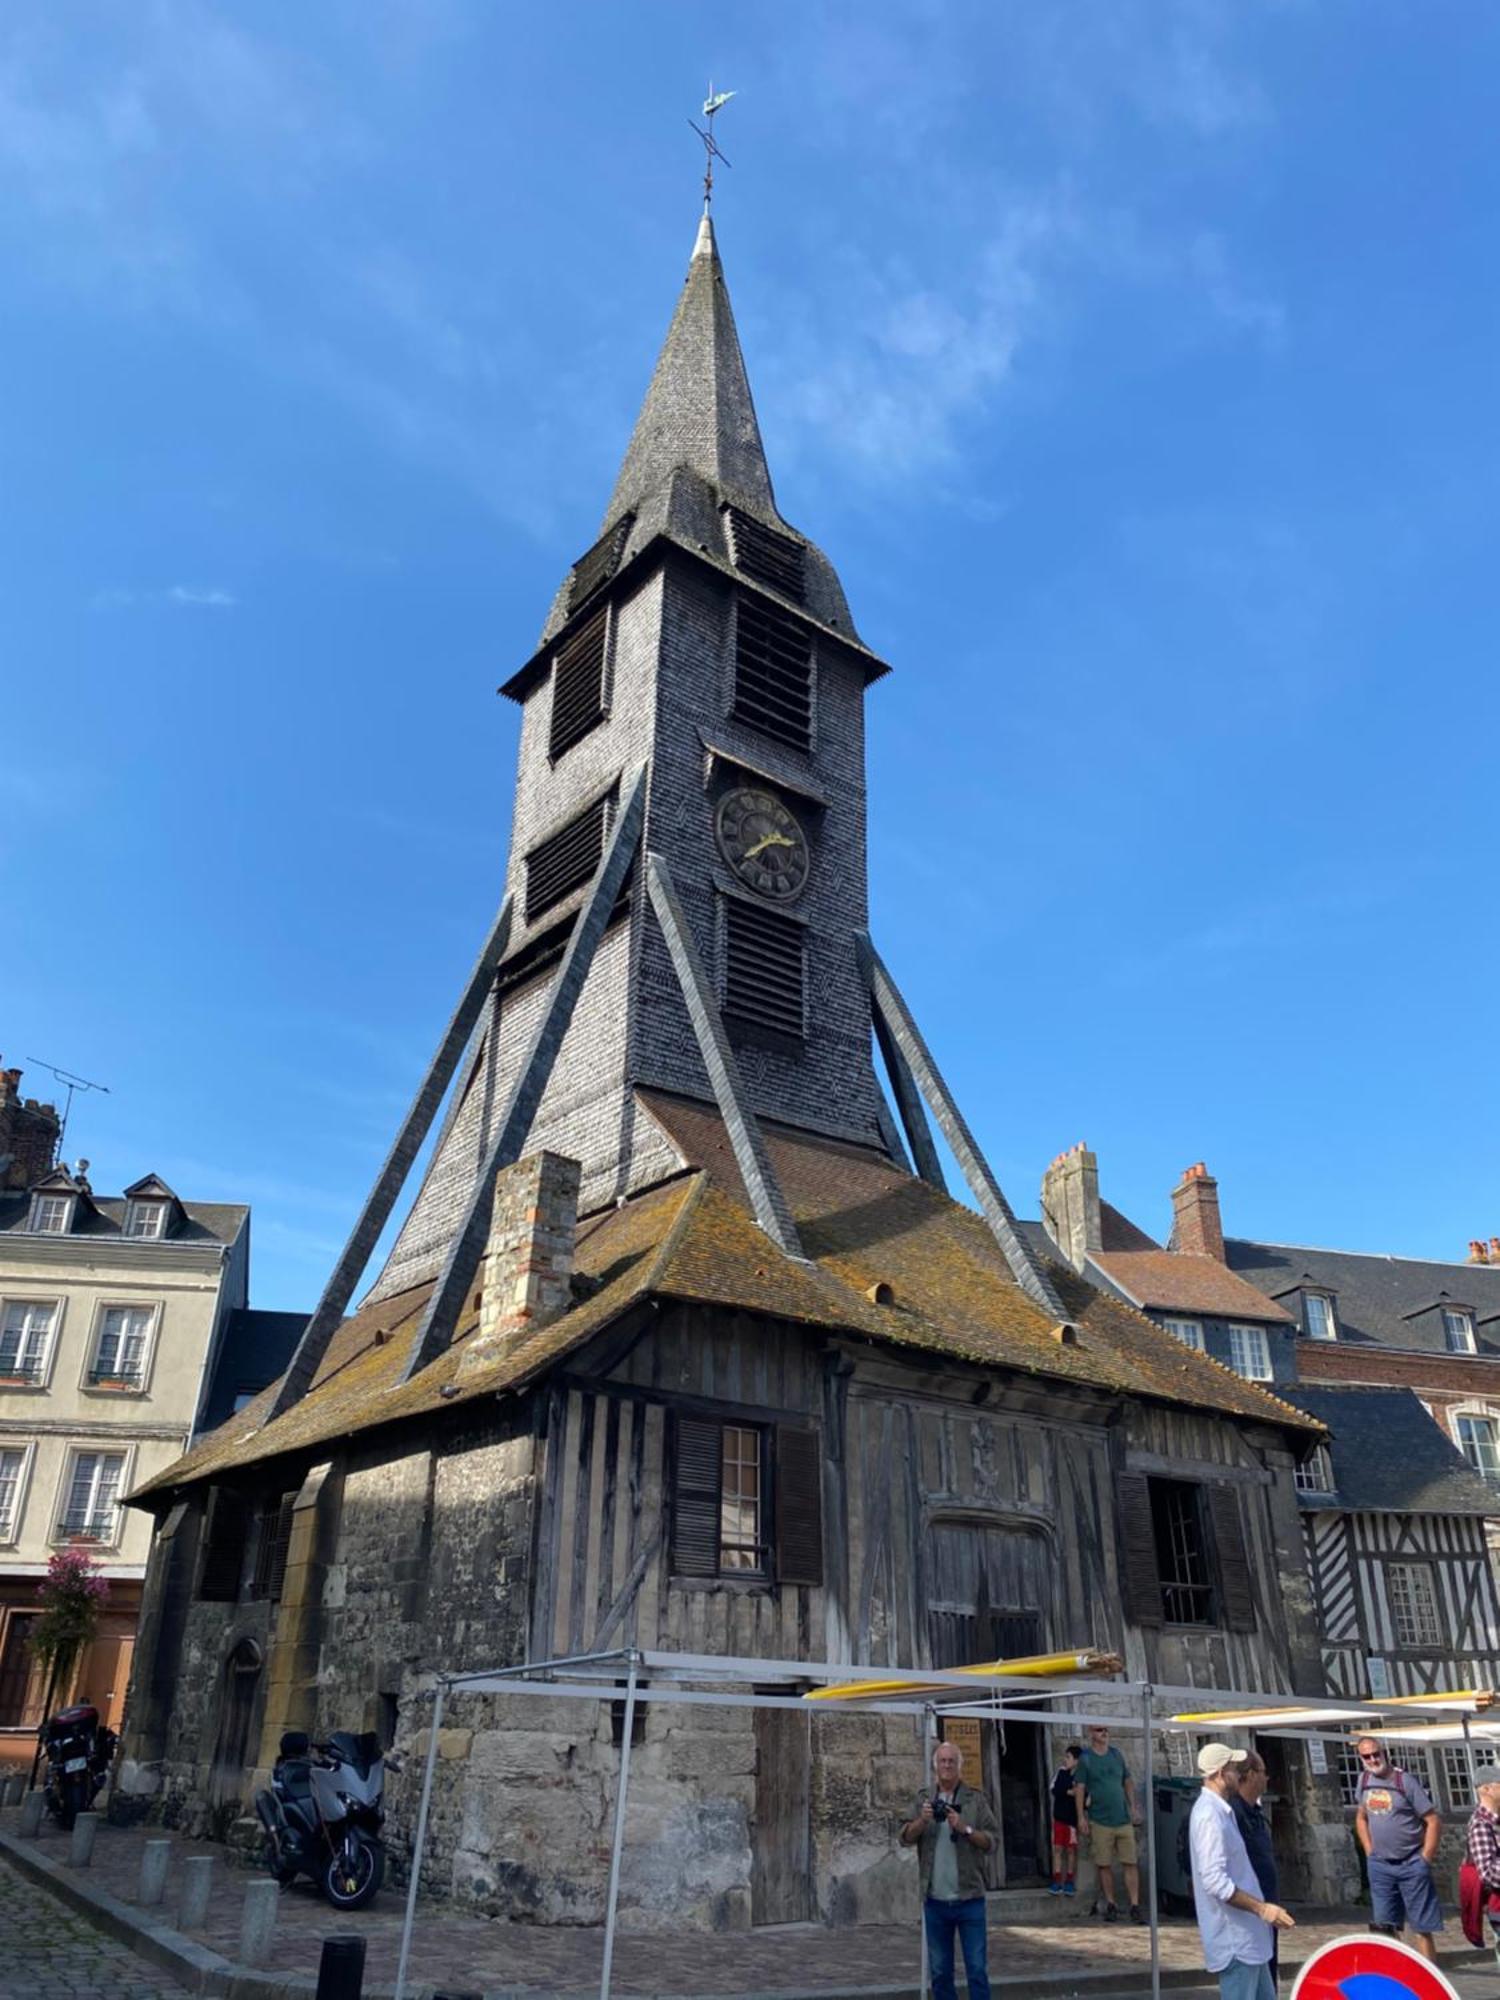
{"x":763,"y":844}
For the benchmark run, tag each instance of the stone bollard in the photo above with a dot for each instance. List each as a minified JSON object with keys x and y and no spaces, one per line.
{"x":85,"y":1827}
{"x":156,"y":1857}
{"x":341,"y":1969}
{"x":197,"y":1882}
{"x":259,"y":1921}
{"x":32,"y":1807}
{"x":13,"y":1790}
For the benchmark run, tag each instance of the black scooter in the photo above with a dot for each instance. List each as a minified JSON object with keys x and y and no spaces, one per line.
{"x":323,"y":1815}
{"x":79,"y":1752}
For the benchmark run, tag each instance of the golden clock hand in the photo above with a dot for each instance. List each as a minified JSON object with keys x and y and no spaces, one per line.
{"x":768,"y":840}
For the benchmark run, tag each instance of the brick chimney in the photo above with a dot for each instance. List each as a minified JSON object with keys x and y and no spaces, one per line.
{"x":29,"y":1132}
{"x":1478,"y":1251}
{"x":1070,"y":1204}
{"x":1196,"y":1229}
{"x":528,"y":1263}
{"x":1495,"y":1249}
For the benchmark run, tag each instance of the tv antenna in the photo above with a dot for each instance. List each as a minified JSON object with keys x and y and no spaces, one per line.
{"x":713,"y":104}
{"x":70,"y":1083}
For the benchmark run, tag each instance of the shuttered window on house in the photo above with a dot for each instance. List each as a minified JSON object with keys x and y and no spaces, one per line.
{"x":593,"y":570}
{"x":273,"y":1540}
{"x":1183,"y":1555}
{"x":578,"y":683}
{"x":747,"y":1501}
{"x":765,"y":967}
{"x":1232,"y":1559}
{"x":224,"y":1549}
{"x":567,"y":860}
{"x":773,"y":672}
{"x":766,"y":555}
{"x":1139,"y":1576}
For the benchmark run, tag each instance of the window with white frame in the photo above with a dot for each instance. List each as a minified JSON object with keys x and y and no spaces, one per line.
{"x":1454,"y":1758}
{"x":12,"y":1472}
{"x":1415,"y":1759}
{"x":26,"y":1327}
{"x":146,"y":1218}
{"x":1188,"y":1331}
{"x":1315,"y":1474}
{"x":1458,"y":1330}
{"x":1478,"y":1435}
{"x":1250,"y":1353}
{"x":91,"y":1501}
{"x":1350,"y":1771}
{"x":1318,"y":1316}
{"x":120,"y":1352}
{"x":1413,"y":1600}
{"x":51,"y":1214}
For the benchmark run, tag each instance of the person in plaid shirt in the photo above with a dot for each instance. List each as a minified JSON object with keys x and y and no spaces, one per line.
{"x":1482,"y":1842}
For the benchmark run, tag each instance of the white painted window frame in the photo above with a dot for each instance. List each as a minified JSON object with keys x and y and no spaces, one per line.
{"x":101,"y":1448}
{"x":59,"y":1306}
{"x":1459,"y":1321}
{"x":1242,"y":1335}
{"x":1312,"y":1302}
{"x":1423,"y":1599}
{"x":1486,"y":1413}
{"x":1315,"y":1475}
{"x":153,"y":1211}
{"x":42,"y":1204}
{"x":152,"y":1307}
{"x":10,"y":1531}
{"x":1188,"y":1331}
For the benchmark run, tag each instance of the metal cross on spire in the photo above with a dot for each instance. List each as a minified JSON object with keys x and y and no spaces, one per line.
{"x":713,"y":104}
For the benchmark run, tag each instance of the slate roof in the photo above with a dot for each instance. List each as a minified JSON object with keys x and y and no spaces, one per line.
{"x":1173,"y":1281}
{"x":862,"y":1221}
{"x":256,"y":1347}
{"x":104,"y":1215}
{"x":1389,"y":1456}
{"x":1379,"y":1301}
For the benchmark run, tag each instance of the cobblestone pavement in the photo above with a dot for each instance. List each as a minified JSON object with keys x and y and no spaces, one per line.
{"x":51,"y":1954}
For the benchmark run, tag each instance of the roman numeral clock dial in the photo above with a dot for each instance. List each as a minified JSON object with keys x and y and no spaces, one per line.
{"x":763,"y":843}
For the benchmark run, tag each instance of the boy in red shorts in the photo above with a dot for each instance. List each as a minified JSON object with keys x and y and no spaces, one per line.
{"x":1065,"y":1824}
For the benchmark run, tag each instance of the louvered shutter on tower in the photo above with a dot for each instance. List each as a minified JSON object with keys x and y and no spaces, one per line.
{"x":1236,"y":1586}
{"x":578,"y":684}
{"x":271,"y":1549}
{"x":798,"y":1475}
{"x":566,"y":861}
{"x":773,"y":672}
{"x":1139,"y":1573}
{"x":595,"y":569}
{"x":696,"y":1479}
{"x":765,"y":967}
{"x":766,"y":555}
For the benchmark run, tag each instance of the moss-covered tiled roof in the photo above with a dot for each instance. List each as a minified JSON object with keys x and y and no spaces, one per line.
{"x":888,"y":1257}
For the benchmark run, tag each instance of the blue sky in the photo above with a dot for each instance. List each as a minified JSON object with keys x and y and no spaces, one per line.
{"x":1135,"y":362}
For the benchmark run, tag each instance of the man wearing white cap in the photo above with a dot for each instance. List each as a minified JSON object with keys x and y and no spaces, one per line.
{"x":1236,"y":1925}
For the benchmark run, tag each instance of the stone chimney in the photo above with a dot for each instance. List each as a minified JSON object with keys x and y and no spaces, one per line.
{"x":1070,"y":1204}
{"x":1196,"y":1229}
{"x":528,"y":1264}
{"x":29,"y":1132}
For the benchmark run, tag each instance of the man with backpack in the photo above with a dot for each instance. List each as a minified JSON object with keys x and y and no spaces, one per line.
{"x":1399,"y":1829}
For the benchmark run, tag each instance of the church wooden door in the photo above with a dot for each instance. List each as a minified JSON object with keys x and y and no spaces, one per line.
{"x":986,"y":1602}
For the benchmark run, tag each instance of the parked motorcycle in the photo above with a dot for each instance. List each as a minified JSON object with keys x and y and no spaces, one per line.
{"x":79,"y":1752}
{"x":323,"y":1815}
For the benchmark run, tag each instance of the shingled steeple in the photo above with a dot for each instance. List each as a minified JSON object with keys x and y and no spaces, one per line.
{"x":698,"y":411}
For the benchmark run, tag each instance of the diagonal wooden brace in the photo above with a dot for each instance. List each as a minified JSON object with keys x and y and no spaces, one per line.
{"x":754,"y":1163}
{"x":441,"y":1316}
{"x":389,"y":1182}
{"x":908,"y":1101}
{"x":892,"y":1010}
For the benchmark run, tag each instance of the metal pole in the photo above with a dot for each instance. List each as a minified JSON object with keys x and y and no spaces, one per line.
{"x":619,"y":1840}
{"x":929,"y":1750}
{"x":1153,"y":1908}
{"x":1469,"y":1757}
{"x":421,"y":1841}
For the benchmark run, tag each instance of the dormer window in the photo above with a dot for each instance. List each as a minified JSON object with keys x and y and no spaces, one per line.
{"x":1318,"y":1316}
{"x":146,"y":1219}
{"x":1458,"y":1330}
{"x":1315,"y":1474}
{"x":1250,"y":1353}
{"x":1188,"y":1331}
{"x":51,"y":1214}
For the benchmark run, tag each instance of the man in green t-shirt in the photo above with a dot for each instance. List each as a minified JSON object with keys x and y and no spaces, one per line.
{"x":1107,"y":1812}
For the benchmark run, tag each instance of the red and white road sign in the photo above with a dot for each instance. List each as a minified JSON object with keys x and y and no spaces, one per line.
{"x":1365,"y":1967}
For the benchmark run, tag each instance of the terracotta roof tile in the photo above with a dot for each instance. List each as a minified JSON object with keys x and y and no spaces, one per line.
{"x":1181,"y":1281}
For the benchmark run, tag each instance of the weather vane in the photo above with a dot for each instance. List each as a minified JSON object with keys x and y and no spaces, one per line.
{"x":712,"y":105}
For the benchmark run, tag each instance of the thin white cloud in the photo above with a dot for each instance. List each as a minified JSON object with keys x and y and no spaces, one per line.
{"x":181,"y":596}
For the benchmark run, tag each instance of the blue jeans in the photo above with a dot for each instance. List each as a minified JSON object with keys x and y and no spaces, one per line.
{"x":1246,"y":1982}
{"x":967,"y":1918}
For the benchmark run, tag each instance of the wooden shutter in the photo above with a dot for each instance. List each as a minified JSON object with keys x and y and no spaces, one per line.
{"x":271,"y":1549}
{"x":567,"y":860}
{"x":773,"y":672}
{"x":578,"y":683}
{"x":223,"y":1559}
{"x":1236,"y":1586}
{"x":1138,"y":1567}
{"x":798,"y":1477}
{"x":696,"y":1477}
{"x":765,"y":967}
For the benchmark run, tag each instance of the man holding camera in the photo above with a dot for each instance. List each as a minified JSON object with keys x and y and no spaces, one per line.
{"x":953,"y":1830}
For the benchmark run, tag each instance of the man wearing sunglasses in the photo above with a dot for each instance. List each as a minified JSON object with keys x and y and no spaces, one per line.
{"x":1399,"y":1828}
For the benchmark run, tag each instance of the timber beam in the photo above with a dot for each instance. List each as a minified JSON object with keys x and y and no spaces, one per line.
{"x":892,"y":1011}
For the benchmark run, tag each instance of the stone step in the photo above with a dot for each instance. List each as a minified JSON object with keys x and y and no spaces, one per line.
{"x":1035,"y":1906}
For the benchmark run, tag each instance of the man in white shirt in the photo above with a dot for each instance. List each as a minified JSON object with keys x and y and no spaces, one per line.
{"x":1234,"y":1923}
